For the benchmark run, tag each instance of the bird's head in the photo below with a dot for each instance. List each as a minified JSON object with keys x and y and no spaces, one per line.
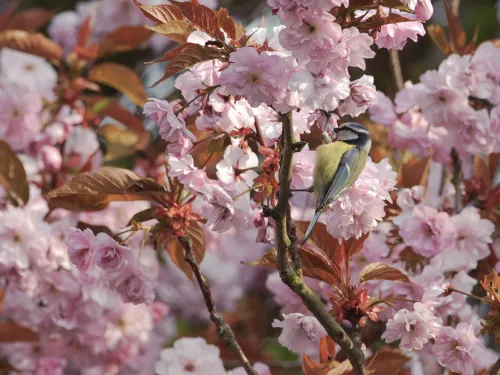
{"x":353,"y":133}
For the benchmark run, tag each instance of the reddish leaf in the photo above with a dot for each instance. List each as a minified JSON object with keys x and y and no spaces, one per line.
{"x":176,"y":30}
{"x":125,"y":38}
{"x":160,"y":13}
{"x":414,"y":172}
{"x":177,"y":256}
{"x":457,"y":34}
{"x":267,"y":260}
{"x":381,"y":271}
{"x":142,"y":216}
{"x":354,"y":245}
{"x":12,"y":174}
{"x":85,"y":31}
{"x":227,"y":23}
{"x":387,"y":361}
{"x":119,"y":142}
{"x":94,"y":228}
{"x":92,"y":191}
{"x":177,"y":253}
{"x":12,"y":332}
{"x":319,"y":238}
{"x":314,"y":265}
{"x":6,"y":16}
{"x":121,"y":78}
{"x":31,"y":19}
{"x":437,"y":35}
{"x":188,"y":55}
{"x":115,"y":110}
{"x":313,"y":261}
{"x":311,"y":367}
{"x":327,"y":349}
{"x":202,"y":16}
{"x":34,"y":44}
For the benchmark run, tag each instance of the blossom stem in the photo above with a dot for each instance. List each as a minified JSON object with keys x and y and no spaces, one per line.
{"x":457,"y":180}
{"x":465,"y":294}
{"x":223,"y":329}
{"x":248,"y":191}
{"x":258,"y":131}
{"x":397,"y":73}
{"x":284,"y":243}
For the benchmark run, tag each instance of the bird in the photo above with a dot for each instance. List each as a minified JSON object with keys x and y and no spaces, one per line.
{"x":338,"y":165}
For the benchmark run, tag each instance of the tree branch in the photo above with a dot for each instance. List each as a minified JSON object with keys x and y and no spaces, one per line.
{"x":285,"y":242}
{"x":397,"y":73}
{"x":457,"y":180}
{"x":495,"y":368}
{"x":455,"y":6}
{"x":223,"y":329}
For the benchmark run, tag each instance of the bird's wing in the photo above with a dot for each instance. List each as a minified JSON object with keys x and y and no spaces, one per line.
{"x":341,"y":180}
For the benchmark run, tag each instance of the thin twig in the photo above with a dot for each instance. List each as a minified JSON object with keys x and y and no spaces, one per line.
{"x":288,"y":365}
{"x":287,"y":273}
{"x":258,"y":133}
{"x":397,"y":73}
{"x":457,"y":180}
{"x":223,"y":329}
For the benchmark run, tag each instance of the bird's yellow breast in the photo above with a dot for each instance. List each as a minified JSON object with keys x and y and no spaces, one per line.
{"x":328,"y":157}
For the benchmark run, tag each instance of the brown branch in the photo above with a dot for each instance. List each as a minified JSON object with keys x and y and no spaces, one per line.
{"x":457,"y":180}
{"x":223,"y":329}
{"x":455,"y":6}
{"x":287,"y":273}
{"x":495,"y":368}
{"x":397,"y":73}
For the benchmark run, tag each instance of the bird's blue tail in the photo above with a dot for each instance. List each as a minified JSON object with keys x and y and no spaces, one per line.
{"x":311,"y":226}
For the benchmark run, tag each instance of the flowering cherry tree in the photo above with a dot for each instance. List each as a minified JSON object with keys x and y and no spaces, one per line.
{"x":162,"y":235}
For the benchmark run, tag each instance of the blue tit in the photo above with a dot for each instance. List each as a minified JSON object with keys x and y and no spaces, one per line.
{"x":338,"y":165}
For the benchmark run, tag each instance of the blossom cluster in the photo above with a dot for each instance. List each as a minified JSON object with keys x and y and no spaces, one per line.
{"x":455,"y":106}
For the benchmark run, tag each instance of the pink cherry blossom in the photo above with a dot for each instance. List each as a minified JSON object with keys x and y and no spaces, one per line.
{"x":382,"y":109}
{"x":32,"y":73}
{"x":303,"y":165}
{"x":108,"y":254}
{"x":358,"y":45}
{"x":483,"y":66}
{"x":426,"y":230}
{"x":80,"y":147}
{"x":414,"y":328}
{"x":185,"y":171}
{"x":63,"y":29}
{"x":51,"y":158}
{"x":170,"y":123}
{"x":81,"y":253}
{"x":320,"y":92}
{"x":300,"y":333}
{"x":182,"y":147}
{"x":261,"y":78}
{"x":190,"y":356}
{"x":361,"y":96}
{"x":454,"y":348}
{"x":261,"y":368}
{"x":50,"y":366}
{"x":134,"y":284}
{"x":473,"y":234}
{"x":223,"y":213}
{"x":395,"y":36}
{"x":19,"y":115}
{"x":359,"y":208}
{"x":235,"y":170}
